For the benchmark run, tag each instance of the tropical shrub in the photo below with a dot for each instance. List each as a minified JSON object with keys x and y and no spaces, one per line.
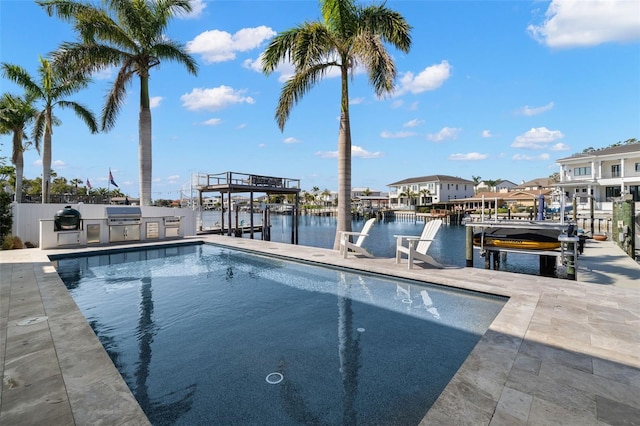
{"x":6,"y":219}
{"x":11,"y":242}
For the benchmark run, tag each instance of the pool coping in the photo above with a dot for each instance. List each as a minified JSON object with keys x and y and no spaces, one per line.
{"x":559,"y":352}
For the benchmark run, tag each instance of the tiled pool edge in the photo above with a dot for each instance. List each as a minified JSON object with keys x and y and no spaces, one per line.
{"x":490,"y":388}
{"x":55,"y":371}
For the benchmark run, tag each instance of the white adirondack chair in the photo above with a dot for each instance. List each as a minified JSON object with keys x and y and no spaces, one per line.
{"x":416,"y":247}
{"x":346,"y":243}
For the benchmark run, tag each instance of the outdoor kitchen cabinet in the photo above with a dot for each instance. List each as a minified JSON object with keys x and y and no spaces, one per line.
{"x":118,"y":233}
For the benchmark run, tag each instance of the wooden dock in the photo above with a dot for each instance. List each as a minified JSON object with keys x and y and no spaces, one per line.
{"x":218,"y":230}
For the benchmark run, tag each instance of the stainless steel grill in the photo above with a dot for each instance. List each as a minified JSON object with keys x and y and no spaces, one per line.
{"x":124,"y":223}
{"x":124,"y":215}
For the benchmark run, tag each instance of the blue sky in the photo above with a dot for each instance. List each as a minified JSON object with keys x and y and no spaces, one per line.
{"x":496,"y":89}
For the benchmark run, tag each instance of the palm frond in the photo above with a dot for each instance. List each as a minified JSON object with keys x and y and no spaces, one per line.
{"x":295,"y":88}
{"x":83,"y":113}
{"x":175,"y":52}
{"x":21,"y":77}
{"x":388,"y":24}
{"x":340,"y":16}
{"x":87,"y":58}
{"x":279,"y":50}
{"x":381,"y":69}
{"x":117,"y":96}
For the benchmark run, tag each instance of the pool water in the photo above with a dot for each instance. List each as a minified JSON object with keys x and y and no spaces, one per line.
{"x":209,"y":335}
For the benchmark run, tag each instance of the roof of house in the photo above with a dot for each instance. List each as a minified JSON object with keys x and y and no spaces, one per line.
{"x":509,"y":196}
{"x":432,"y":178}
{"x":539,"y":183}
{"x":614,"y":150}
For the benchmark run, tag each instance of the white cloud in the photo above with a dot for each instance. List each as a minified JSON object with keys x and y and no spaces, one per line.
{"x":536,"y":138}
{"x":522,"y":157}
{"x":262,"y":145}
{"x":428,"y":79}
{"x":356,"y":101}
{"x":413,"y":123}
{"x":55,"y":164}
{"x":356,"y":151}
{"x":214,"y":99}
{"x":487,"y":134}
{"x":212,"y":122}
{"x":473,"y":156}
{"x":444,"y":133}
{"x":559,"y":147}
{"x":397,"y":135}
{"x":197,"y":6}
{"x":220,"y":46}
{"x":291,"y":140}
{"x":173,"y":178}
{"x":529,"y":111}
{"x":413,"y":106}
{"x":573,"y":23}
{"x":396,"y":104}
{"x":155,"y":101}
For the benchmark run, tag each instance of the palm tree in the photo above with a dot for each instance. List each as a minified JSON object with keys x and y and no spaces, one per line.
{"x":15,"y":113}
{"x":326,"y":196}
{"x":476,"y":181}
{"x":410,"y":194}
{"x":425,"y":193}
{"x":347,"y":36}
{"x":129,"y":35}
{"x":54,"y":86}
{"x":75,"y":183}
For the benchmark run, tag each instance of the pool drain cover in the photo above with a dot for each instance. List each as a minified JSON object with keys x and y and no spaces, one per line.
{"x":274,"y":378}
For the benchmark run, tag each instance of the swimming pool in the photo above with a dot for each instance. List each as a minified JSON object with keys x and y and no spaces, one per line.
{"x":210,"y":335}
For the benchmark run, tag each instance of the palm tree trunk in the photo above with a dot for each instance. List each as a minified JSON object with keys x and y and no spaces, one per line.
{"x":144,"y":144}
{"x":344,"y":164}
{"x":46,"y":156}
{"x":18,"y":162}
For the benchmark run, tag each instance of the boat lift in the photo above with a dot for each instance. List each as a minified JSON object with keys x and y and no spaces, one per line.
{"x":569,"y":244}
{"x":233,"y":182}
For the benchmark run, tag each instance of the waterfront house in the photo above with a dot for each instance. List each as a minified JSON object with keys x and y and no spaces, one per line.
{"x":605,"y":174}
{"x":429,"y":190}
{"x":499,"y":186}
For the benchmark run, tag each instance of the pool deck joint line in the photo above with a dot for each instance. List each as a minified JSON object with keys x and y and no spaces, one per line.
{"x":559,"y":352}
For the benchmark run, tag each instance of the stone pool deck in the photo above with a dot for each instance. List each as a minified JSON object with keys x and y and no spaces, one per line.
{"x":560,"y":352}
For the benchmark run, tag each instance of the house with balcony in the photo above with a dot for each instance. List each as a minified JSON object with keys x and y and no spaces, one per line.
{"x":605,"y":174}
{"x":427,"y":190}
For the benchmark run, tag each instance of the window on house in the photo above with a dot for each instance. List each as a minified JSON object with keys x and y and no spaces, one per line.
{"x":635,"y":191}
{"x":615,"y":170}
{"x":582,"y":171}
{"x":637,"y":167}
{"x":612,"y":191}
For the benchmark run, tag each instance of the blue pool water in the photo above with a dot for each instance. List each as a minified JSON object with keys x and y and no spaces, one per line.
{"x":208,"y":335}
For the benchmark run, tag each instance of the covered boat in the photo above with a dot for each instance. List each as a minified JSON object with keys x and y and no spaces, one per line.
{"x":518,"y":238}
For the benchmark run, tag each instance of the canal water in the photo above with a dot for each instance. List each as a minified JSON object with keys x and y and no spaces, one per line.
{"x":447,"y":248}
